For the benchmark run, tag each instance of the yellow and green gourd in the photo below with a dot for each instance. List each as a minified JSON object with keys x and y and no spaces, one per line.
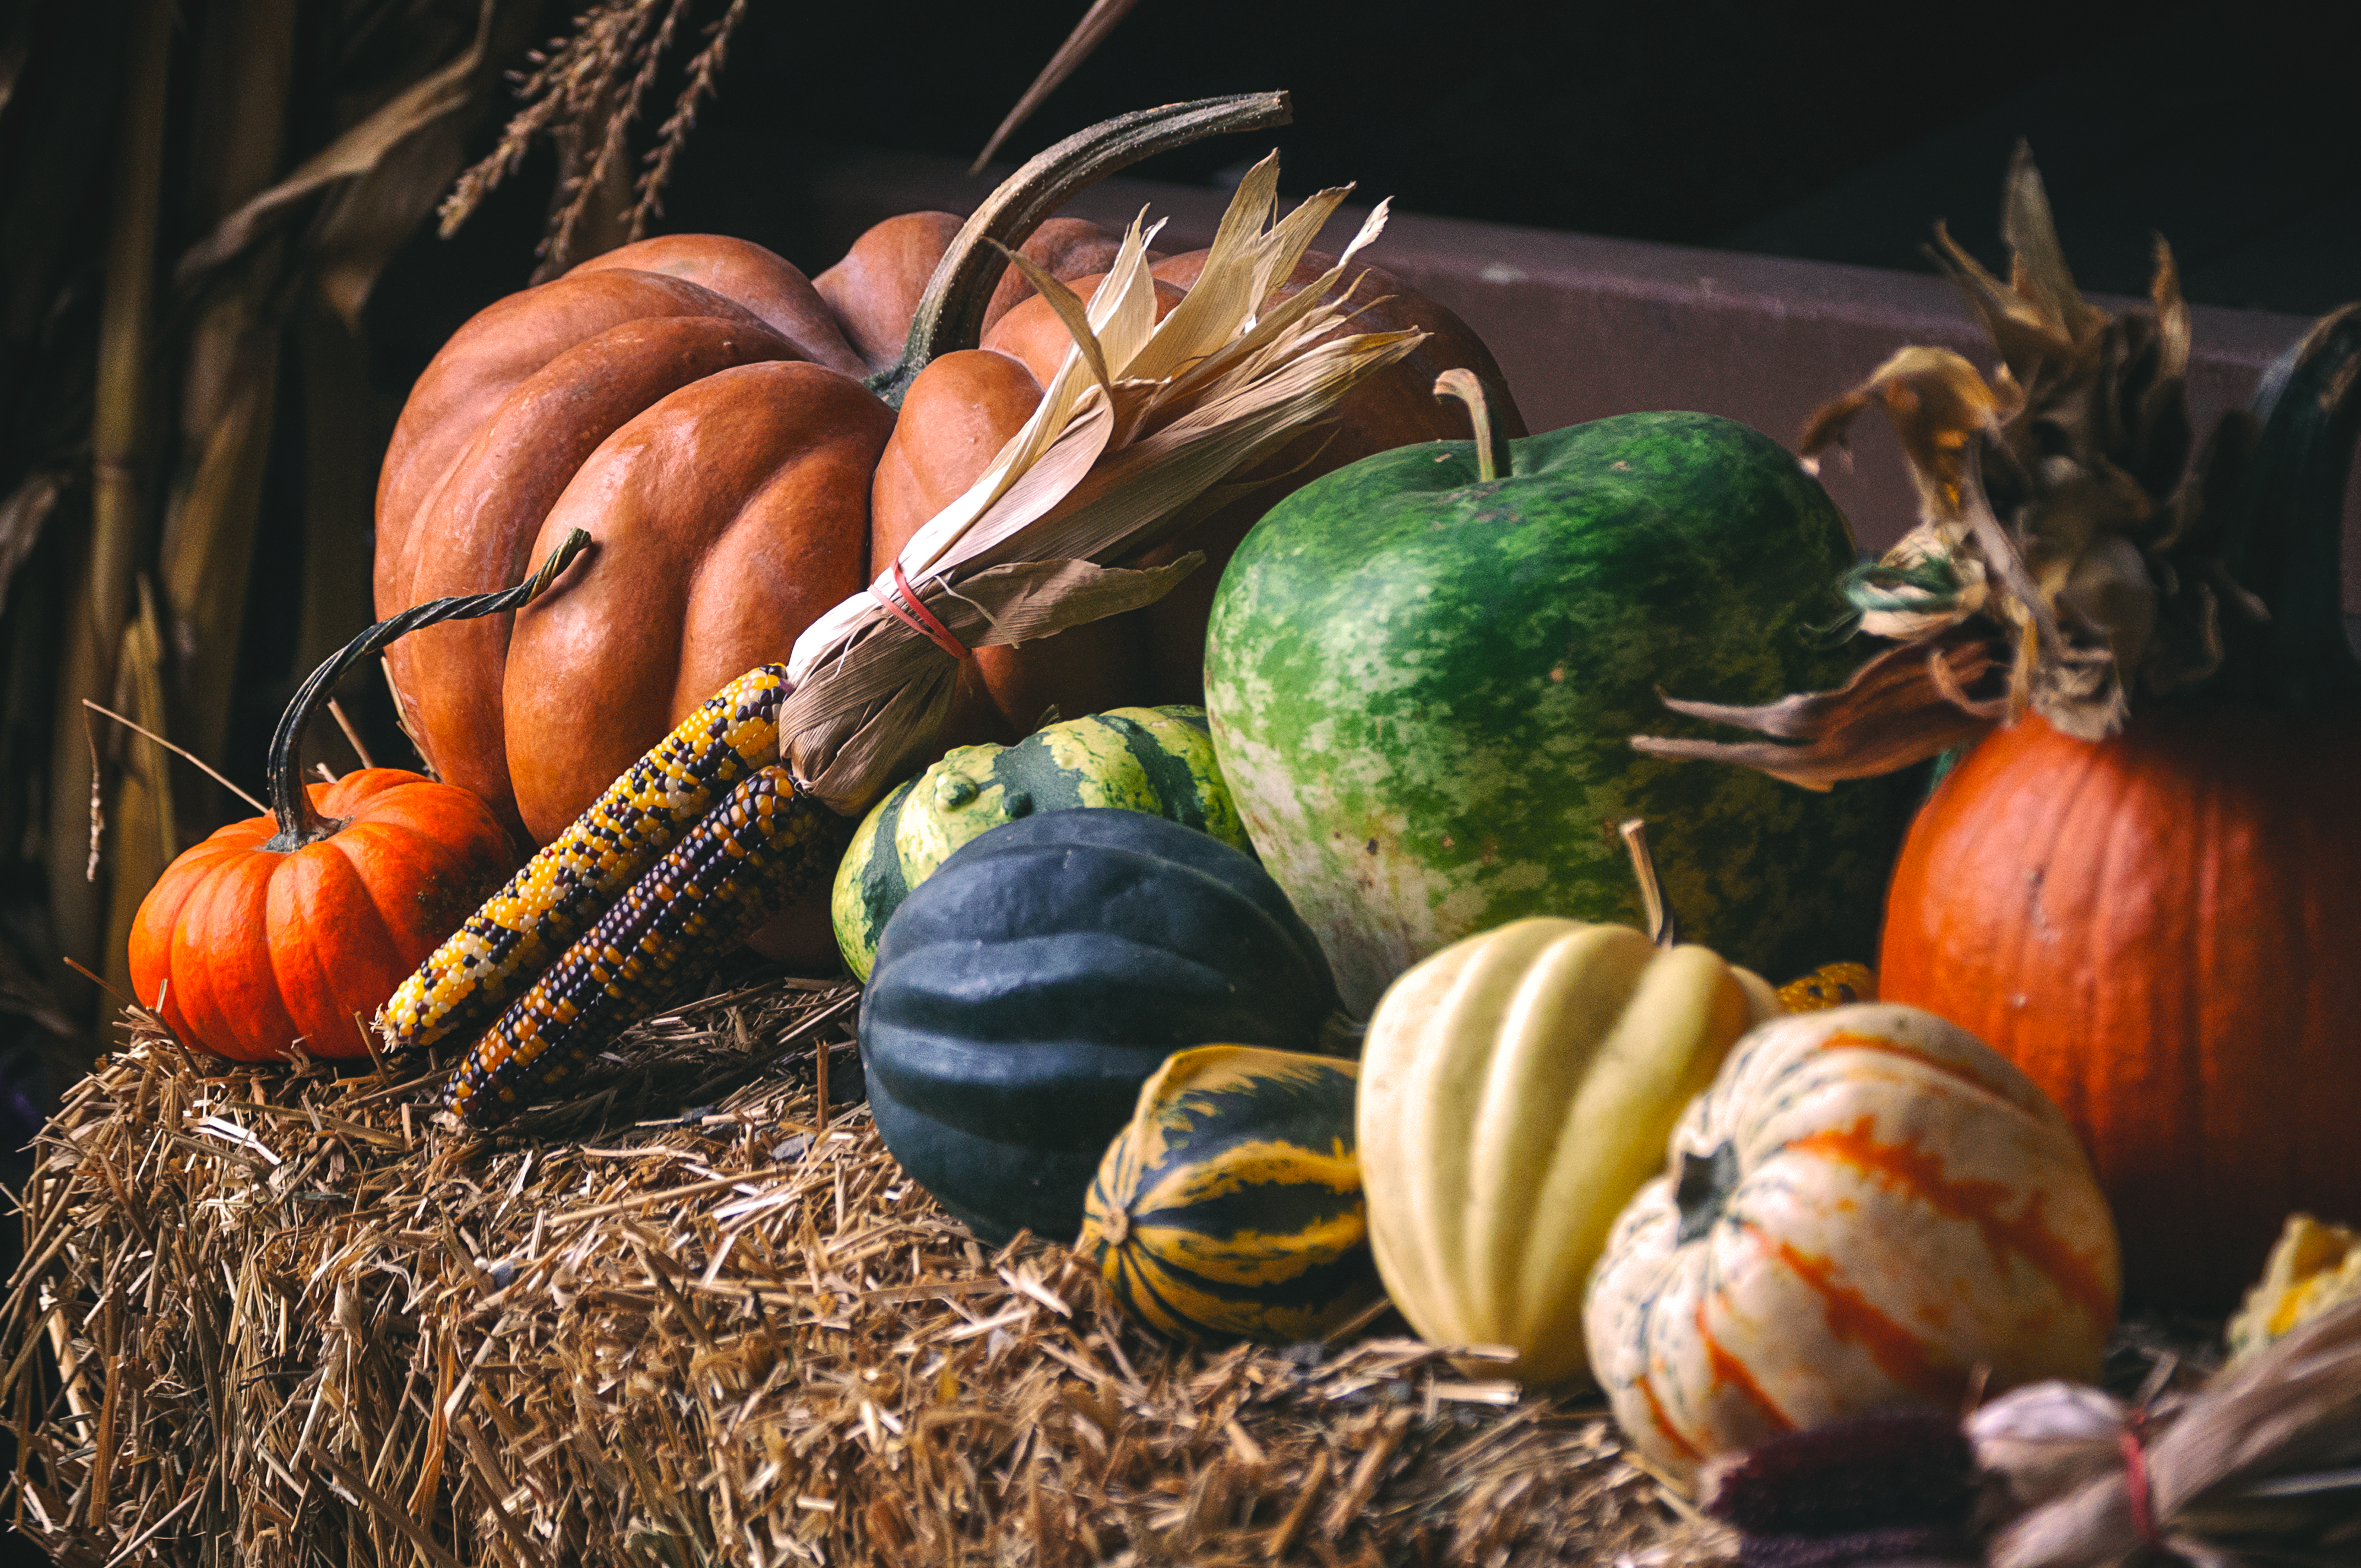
{"x":1230,"y":1206}
{"x":1158,"y":761}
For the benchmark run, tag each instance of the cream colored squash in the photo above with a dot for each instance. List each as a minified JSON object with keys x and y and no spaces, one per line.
{"x":1516,"y":1090}
{"x":1867,"y":1206}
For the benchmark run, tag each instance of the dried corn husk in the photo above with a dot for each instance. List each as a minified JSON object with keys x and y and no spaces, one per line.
{"x":1139,"y":427}
{"x":2056,"y":524}
{"x":2262,"y":1464}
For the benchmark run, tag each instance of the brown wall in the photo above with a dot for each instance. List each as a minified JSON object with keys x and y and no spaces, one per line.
{"x":1585,"y":327}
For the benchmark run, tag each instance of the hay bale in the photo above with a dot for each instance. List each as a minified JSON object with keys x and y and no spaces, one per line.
{"x":280,"y":1317}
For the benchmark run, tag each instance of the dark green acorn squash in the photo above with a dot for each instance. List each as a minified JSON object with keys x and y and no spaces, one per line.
{"x":1157,"y":760}
{"x":1025,"y":991}
{"x":1230,"y":1206}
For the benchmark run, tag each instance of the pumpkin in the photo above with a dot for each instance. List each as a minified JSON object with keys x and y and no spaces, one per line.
{"x":1157,"y":760}
{"x":286,"y":932}
{"x":1868,"y":1207}
{"x":1423,"y":672}
{"x":2160,"y":927}
{"x":1230,"y":1206}
{"x":718,"y":422}
{"x":1517,"y":1088}
{"x":1025,"y":991}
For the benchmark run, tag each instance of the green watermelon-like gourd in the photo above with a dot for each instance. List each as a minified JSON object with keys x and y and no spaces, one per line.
{"x":1156,"y":760}
{"x":1230,"y":1206}
{"x":1423,"y":679}
{"x":1024,"y":991}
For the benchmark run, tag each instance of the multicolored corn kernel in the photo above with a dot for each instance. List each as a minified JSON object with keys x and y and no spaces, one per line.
{"x":573,"y":879}
{"x":763,"y":846}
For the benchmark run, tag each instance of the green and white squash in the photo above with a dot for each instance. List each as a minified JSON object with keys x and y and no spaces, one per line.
{"x":1158,"y":761}
{"x":1230,"y":1206}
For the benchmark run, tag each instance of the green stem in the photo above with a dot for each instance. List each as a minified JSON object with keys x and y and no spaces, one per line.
{"x":1492,"y":459}
{"x":950,"y":312}
{"x":2287,"y":526}
{"x":300,"y":822}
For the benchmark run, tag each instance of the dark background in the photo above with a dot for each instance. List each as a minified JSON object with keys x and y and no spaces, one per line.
{"x":1837,"y":131}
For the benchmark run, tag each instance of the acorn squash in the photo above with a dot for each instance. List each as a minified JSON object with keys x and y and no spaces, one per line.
{"x":1230,"y":1206}
{"x":1157,"y":760}
{"x":1025,"y":991}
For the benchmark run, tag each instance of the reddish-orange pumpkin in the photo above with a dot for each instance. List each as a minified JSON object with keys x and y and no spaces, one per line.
{"x":250,"y":943}
{"x":695,"y":404}
{"x":2163,"y":928}
{"x":289,"y":931}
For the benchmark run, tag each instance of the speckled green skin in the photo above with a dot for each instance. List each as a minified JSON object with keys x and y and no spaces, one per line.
{"x":1156,"y":760}
{"x":1421,"y":689}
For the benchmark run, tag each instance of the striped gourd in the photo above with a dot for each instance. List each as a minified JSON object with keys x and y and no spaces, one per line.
{"x":1154,"y":760}
{"x":764,"y":844}
{"x":564,"y":887}
{"x":1230,"y":1206}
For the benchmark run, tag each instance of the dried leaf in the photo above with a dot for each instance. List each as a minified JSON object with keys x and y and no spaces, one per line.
{"x":1905,"y":705}
{"x":1939,"y":403}
{"x":1141,"y":421}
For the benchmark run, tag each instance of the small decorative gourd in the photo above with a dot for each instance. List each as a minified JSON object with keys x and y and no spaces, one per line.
{"x":1157,"y":760}
{"x":1231,"y":1205}
{"x":285,"y":932}
{"x":1869,"y":1209}
{"x":1516,"y":1090}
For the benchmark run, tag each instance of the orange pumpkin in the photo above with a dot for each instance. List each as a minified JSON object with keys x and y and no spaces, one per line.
{"x":287,"y":932}
{"x":2162,"y":927}
{"x":1867,"y":1206}
{"x":718,"y":422}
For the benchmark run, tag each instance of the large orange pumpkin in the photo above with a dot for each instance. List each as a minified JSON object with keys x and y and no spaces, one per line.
{"x":2163,"y":928}
{"x":717,"y":423}
{"x":287,"y":932}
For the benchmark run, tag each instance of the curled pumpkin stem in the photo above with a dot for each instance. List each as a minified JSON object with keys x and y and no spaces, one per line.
{"x":300,"y":823}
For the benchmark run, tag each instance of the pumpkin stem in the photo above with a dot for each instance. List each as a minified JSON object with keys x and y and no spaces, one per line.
{"x":1702,"y":1190}
{"x":300,"y":822}
{"x":1492,"y":460}
{"x":950,"y":314}
{"x":2286,"y":523}
{"x":1663,"y":928}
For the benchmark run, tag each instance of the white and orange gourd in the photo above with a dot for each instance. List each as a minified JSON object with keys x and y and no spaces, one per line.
{"x":1869,"y":1209}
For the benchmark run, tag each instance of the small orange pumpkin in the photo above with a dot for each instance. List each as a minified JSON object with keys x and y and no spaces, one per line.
{"x":1867,"y":1206}
{"x":287,"y":931}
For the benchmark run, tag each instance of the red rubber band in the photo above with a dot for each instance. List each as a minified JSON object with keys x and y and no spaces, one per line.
{"x":2136,"y":1487}
{"x":917,"y":617}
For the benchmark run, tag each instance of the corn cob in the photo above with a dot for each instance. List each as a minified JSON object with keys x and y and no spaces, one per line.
{"x":764,"y":844}
{"x":563,"y":888}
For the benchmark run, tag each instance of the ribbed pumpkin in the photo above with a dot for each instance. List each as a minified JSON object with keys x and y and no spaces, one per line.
{"x":1868,"y":1206}
{"x":1230,"y":1206}
{"x":2163,"y":928}
{"x":1516,"y":1090}
{"x":287,"y":932}
{"x":1157,"y":760}
{"x":718,"y":422}
{"x":1025,"y":991}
